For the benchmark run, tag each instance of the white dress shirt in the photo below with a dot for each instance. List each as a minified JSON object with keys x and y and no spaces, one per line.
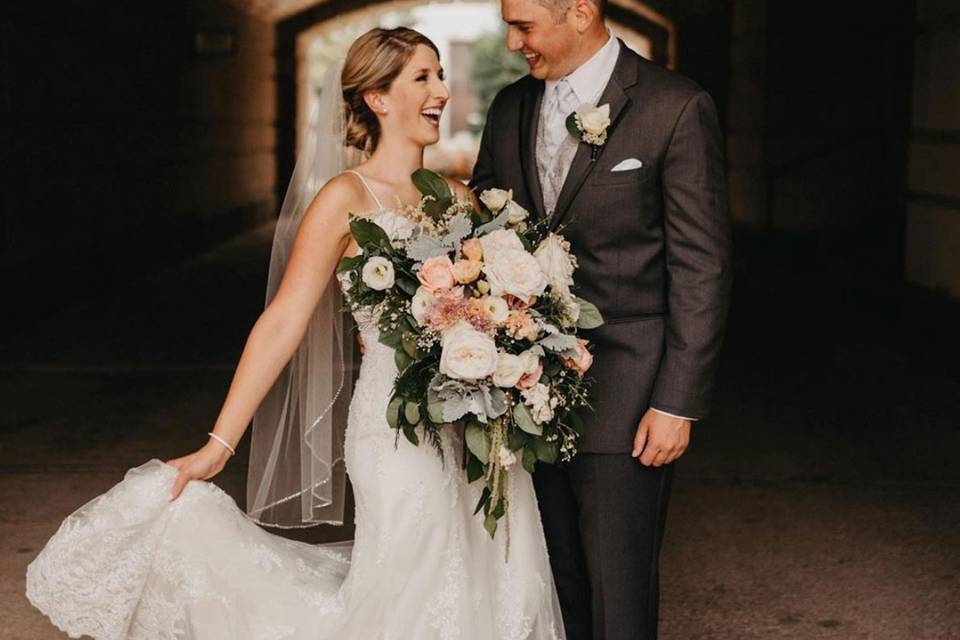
{"x":555,"y":151}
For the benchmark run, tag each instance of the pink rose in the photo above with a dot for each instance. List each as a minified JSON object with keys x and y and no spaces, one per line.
{"x":583,"y":359}
{"x":436,"y":273}
{"x":530,"y":380}
{"x":472,"y":249}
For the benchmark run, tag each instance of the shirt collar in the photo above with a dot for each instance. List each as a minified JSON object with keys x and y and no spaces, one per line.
{"x":589,"y":79}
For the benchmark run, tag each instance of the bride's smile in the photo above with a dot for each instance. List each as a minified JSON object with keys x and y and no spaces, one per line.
{"x":415,"y":101}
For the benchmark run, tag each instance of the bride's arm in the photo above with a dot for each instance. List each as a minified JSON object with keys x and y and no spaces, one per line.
{"x":321,"y":240}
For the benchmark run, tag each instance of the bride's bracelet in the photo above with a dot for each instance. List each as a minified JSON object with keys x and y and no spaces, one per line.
{"x":222,"y":441}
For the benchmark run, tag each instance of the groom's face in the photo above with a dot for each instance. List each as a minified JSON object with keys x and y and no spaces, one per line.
{"x":545,"y":36}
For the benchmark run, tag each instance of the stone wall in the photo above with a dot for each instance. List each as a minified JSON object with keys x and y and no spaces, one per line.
{"x":933,"y":210}
{"x":818,"y":114}
{"x":124,"y":145}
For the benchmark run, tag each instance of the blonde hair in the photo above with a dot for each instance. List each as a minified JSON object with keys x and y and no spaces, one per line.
{"x":373,"y":62}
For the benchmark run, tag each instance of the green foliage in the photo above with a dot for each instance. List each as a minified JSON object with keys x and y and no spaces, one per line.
{"x":435,"y":189}
{"x":521,"y":414}
{"x":545,"y":451}
{"x":571,"y":123}
{"x":368,"y":233}
{"x":494,"y":67}
{"x":478,"y":441}
{"x":590,"y":317}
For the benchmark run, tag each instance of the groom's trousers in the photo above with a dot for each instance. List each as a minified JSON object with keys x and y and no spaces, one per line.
{"x":604,"y":517}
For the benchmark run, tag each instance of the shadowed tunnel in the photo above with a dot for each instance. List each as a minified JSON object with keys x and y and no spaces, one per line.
{"x":145,"y":150}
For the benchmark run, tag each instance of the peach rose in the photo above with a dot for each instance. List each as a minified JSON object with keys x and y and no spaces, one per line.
{"x":436,"y":273}
{"x":472,"y":249}
{"x":583,"y":359}
{"x":466,"y":271}
{"x":519,"y":325}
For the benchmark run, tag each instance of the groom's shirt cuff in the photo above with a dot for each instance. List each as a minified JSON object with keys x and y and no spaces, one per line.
{"x":673,"y":415}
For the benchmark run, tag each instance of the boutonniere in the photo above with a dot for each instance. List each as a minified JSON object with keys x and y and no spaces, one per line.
{"x":588,"y":124}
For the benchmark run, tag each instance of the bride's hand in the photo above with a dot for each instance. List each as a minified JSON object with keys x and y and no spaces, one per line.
{"x":202,"y":464}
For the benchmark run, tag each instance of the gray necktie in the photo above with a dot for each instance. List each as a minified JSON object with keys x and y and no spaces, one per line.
{"x":555,"y":146}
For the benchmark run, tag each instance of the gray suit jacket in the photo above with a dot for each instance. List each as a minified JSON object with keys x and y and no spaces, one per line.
{"x":653,"y":243}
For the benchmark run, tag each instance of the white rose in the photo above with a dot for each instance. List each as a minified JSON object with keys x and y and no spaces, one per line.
{"x":516,"y":272}
{"x":467,"y":354}
{"x":569,"y":308}
{"x":496,"y":199}
{"x":531,"y":360}
{"x":420,"y":302}
{"x":516,"y":213}
{"x":537,"y":398}
{"x":509,"y":370}
{"x":497,"y":308}
{"x":378,"y":273}
{"x":594,"y":120}
{"x":507,"y":458}
{"x":553,"y":256}
{"x":497,"y":241}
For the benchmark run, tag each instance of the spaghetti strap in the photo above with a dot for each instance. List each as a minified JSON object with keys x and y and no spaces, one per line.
{"x":367,"y":187}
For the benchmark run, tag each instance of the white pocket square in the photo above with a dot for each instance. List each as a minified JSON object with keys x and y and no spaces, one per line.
{"x":628,"y":164}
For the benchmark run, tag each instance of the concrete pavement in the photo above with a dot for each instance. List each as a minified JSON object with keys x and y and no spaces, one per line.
{"x":821,"y":499}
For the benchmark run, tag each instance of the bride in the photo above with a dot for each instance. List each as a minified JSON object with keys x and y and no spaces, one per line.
{"x":165,"y":555}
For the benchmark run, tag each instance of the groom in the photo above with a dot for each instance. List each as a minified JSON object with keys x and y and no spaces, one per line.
{"x":646,"y":215}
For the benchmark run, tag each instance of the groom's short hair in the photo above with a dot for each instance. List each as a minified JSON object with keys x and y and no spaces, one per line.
{"x":558,"y":7}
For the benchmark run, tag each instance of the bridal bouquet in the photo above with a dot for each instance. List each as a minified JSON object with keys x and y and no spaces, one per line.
{"x":477,"y":305}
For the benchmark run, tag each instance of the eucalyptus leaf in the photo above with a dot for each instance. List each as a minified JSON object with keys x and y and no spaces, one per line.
{"x":393,"y":411}
{"x":411,"y":411}
{"x":435,"y":412}
{"x":524,"y":420}
{"x":478,"y":441}
{"x":590,"y":317}
{"x":490,"y":524}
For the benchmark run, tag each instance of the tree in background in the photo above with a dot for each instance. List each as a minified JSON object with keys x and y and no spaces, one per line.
{"x":493,"y":68}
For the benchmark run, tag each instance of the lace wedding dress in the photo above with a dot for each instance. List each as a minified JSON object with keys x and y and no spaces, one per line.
{"x":130,"y":564}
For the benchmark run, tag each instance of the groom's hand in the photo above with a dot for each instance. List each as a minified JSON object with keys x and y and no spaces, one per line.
{"x":660,"y":438}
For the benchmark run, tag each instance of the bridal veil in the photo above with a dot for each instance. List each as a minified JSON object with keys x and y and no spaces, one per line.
{"x":296,"y":474}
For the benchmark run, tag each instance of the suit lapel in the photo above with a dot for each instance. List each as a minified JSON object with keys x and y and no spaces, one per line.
{"x":624,"y":76}
{"x":529,"y":117}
